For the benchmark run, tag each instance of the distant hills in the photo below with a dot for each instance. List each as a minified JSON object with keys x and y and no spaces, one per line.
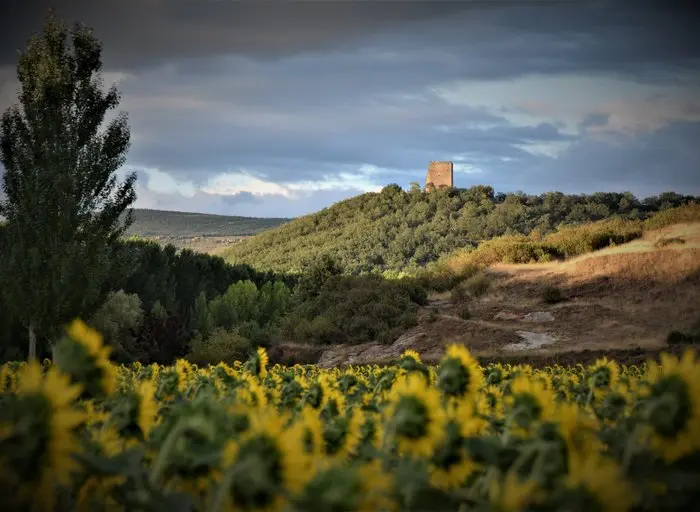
{"x":396,"y":230}
{"x":167,"y":224}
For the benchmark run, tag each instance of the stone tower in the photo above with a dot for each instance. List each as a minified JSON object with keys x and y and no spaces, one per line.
{"x":440,"y":174}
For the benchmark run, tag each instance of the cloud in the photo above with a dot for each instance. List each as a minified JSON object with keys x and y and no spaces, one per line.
{"x":257,"y":109}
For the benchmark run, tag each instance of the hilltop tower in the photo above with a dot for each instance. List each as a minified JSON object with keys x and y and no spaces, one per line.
{"x":440,"y":174}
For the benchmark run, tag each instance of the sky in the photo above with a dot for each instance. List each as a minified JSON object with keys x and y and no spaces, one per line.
{"x":281,"y":108}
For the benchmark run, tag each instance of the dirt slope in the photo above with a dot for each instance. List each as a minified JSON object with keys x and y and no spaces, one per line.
{"x":622,"y":299}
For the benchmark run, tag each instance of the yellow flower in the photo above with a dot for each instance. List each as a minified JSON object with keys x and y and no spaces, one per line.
{"x":148,"y":407}
{"x":459,"y":374}
{"x":416,"y":416}
{"x":91,"y":341}
{"x":262,"y":362}
{"x":266,"y":448}
{"x":672,"y":406}
{"x":55,"y":397}
{"x":512,"y":494}
{"x":602,"y":479}
{"x":412,"y":354}
{"x":530,"y":402}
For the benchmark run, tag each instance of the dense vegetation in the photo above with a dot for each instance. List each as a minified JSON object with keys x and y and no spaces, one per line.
{"x":158,"y":223}
{"x":399,"y":230}
{"x":83,"y":434}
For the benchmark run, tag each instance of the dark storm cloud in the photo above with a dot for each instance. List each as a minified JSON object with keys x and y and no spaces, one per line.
{"x":146,"y":32}
{"x":556,"y":36}
{"x":663,"y":160}
{"x":294,"y":92}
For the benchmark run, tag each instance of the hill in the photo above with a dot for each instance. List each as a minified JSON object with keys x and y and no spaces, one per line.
{"x":198,"y":231}
{"x":396,"y":230}
{"x":628,"y":302}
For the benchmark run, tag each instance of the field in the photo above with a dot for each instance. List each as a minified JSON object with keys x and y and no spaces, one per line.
{"x":83,"y":434}
{"x":197,"y":231}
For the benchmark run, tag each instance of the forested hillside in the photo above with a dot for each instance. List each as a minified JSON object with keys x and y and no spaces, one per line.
{"x":397,"y":230}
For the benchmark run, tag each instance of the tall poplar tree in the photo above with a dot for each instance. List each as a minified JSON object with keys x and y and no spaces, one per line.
{"x":63,"y":203}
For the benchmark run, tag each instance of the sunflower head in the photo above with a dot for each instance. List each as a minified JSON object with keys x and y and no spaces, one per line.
{"x":459,"y":373}
{"x":38,"y":438}
{"x":83,"y":357}
{"x":671,"y":406}
{"x":257,"y":364}
{"x":416,"y":416}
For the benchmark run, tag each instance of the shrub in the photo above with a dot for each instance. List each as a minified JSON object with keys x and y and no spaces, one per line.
{"x":552,"y":295}
{"x":459,"y":294}
{"x":478,"y":284}
{"x":354,"y":309}
{"x":665,"y":241}
{"x":221,"y":345}
{"x":686,"y":213}
{"x":464,"y":312}
{"x":118,"y":319}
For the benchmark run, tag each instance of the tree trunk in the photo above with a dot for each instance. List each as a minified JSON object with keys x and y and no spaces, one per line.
{"x":32,"y":343}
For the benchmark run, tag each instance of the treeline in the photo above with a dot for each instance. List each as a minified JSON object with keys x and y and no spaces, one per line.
{"x":150,"y":312}
{"x":396,"y":230}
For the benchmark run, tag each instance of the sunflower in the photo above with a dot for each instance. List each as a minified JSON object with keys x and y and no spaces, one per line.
{"x":511,"y":493}
{"x":37,"y":434}
{"x":377,"y":487}
{"x":411,"y":354}
{"x":416,"y":417}
{"x":184,"y":372}
{"x":450,"y":464}
{"x":599,"y":479}
{"x":84,"y":357}
{"x":577,"y":429}
{"x":530,"y":401}
{"x":148,"y":407}
{"x":265,"y":460}
{"x":672,"y":406}
{"x":459,"y":373}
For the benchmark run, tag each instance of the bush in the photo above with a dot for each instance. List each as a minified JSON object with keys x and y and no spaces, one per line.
{"x":118,"y":319}
{"x":221,"y":346}
{"x":665,"y":241}
{"x":464,"y":313}
{"x":354,"y":309}
{"x":552,"y":295}
{"x":477,"y":285}
{"x":686,"y":213}
{"x":459,"y":294}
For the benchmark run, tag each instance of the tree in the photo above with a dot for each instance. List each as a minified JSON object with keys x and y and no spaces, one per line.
{"x":63,"y":204}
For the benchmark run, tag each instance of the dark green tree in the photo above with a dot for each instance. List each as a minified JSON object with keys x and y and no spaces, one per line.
{"x":63,"y":203}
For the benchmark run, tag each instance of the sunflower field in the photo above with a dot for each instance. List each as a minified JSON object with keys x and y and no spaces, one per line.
{"x":81,"y":433}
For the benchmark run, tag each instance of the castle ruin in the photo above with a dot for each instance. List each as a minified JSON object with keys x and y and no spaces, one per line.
{"x":440,"y":175}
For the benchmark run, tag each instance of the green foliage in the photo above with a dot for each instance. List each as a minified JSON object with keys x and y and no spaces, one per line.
{"x":118,"y":319}
{"x":314,"y":275}
{"x":221,"y":345}
{"x":464,"y":312}
{"x":687,"y":213}
{"x":394,"y":230}
{"x":244,"y":302}
{"x":63,"y":203}
{"x":354,"y":309}
{"x":477,"y":285}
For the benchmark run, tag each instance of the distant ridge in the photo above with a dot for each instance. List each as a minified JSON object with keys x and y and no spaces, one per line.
{"x":161,"y":223}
